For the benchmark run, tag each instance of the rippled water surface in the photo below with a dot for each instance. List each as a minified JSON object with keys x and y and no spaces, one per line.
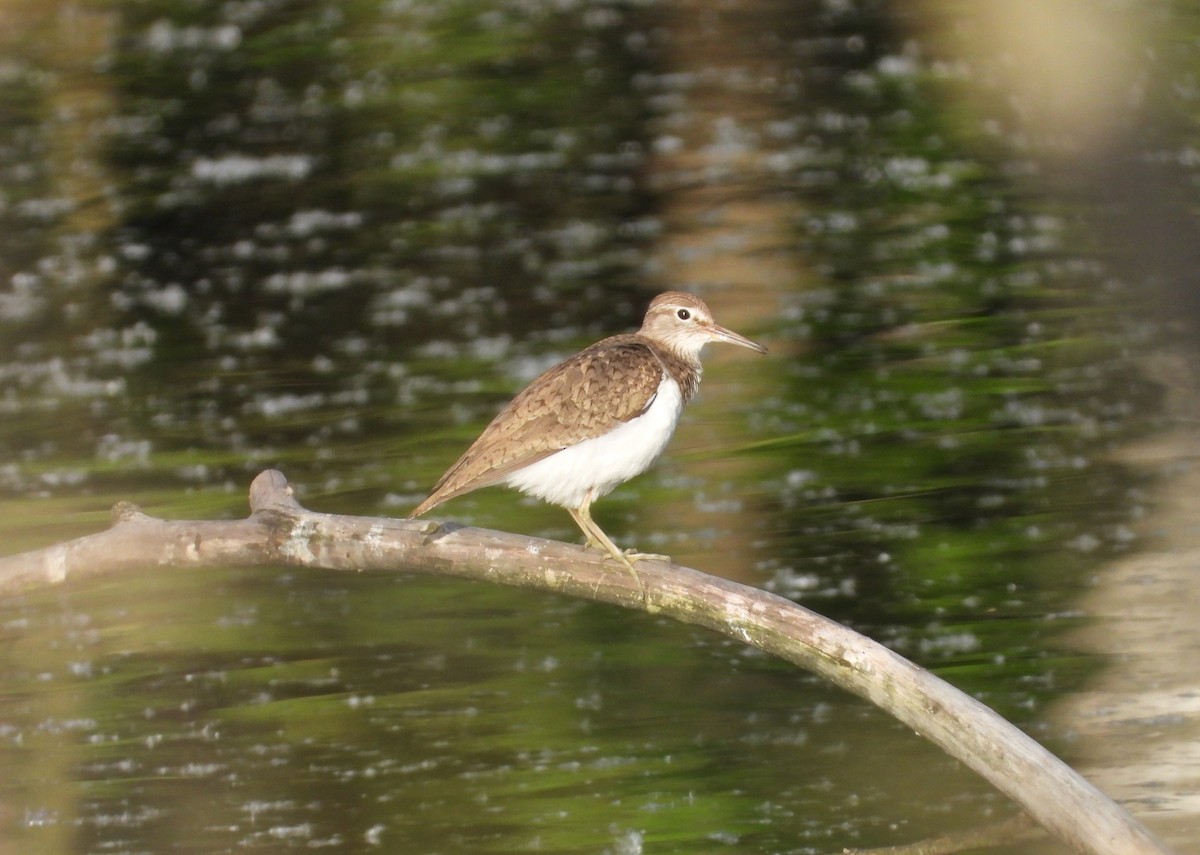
{"x":333,"y":238}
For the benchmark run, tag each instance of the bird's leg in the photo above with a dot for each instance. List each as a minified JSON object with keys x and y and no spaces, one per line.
{"x":596,"y":537}
{"x":592,"y":542}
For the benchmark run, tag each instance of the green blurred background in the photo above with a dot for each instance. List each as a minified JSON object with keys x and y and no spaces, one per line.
{"x":334,"y":237}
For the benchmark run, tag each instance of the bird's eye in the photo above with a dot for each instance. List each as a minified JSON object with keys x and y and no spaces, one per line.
{"x":683,"y":314}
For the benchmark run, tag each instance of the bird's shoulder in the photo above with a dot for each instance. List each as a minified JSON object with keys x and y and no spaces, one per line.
{"x":588,"y":394}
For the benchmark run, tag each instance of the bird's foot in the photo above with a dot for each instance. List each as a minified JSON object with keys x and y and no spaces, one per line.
{"x":637,"y":579}
{"x":625,"y":559}
{"x":628,"y":556}
{"x":634,"y":555}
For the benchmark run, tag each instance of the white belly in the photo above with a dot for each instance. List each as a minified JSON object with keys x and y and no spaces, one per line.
{"x":595,"y":466}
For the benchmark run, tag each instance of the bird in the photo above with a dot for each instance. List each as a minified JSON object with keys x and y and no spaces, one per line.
{"x":594,"y":420}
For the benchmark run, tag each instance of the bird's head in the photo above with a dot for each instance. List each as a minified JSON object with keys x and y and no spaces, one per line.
{"x":683,"y":323}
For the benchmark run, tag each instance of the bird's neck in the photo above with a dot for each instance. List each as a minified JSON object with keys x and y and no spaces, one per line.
{"x":683,"y":368}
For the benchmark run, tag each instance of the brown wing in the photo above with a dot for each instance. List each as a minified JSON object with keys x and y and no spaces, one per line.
{"x":586,"y":396}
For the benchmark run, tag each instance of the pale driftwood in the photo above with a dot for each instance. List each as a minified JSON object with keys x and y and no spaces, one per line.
{"x":1004,"y":833}
{"x":281,"y":532}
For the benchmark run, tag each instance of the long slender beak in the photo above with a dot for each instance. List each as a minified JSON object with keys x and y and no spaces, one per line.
{"x":719,"y":333}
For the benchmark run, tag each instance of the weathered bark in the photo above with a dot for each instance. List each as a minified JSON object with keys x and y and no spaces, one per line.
{"x":1009,"y":831}
{"x":280,"y":532}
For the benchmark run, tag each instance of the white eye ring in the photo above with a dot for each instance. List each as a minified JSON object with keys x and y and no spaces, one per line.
{"x":683,"y":315}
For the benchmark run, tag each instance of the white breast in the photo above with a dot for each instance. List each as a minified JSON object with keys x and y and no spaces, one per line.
{"x":593,"y":467}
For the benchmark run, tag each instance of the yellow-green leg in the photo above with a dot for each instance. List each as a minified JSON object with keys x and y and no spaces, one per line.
{"x":596,"y":537}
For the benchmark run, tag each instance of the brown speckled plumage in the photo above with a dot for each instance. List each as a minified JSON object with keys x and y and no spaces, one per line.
{"x":587,"y":396}
{"x":571,"y":402}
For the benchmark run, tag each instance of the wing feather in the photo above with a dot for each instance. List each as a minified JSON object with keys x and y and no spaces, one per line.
{"x":583,"y":397}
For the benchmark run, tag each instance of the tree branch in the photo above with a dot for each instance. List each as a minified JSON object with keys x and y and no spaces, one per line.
{"x":281,"y":532}
{"x":998,"y":834}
